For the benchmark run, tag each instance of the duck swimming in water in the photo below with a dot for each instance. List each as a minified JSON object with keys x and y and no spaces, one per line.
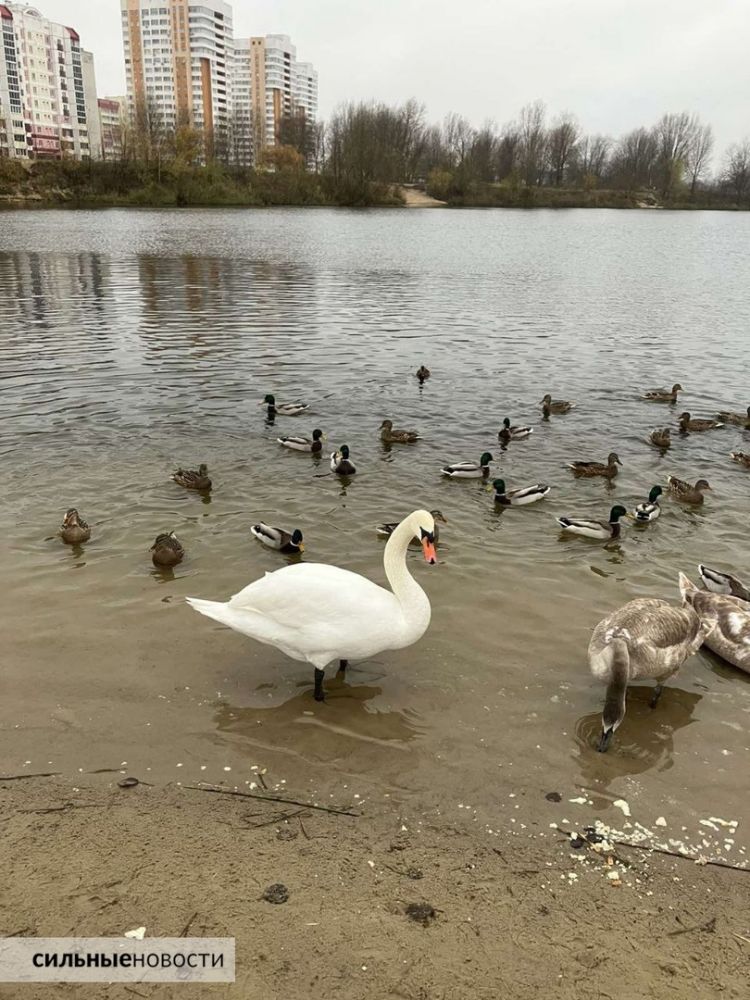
{"x":591,"y":469}
{"x":723,"y":583}
{"x":601,"y":530}
{"x":167,"y":550}
{"x":688,"y":423}
{"x":74,"y":529}
{"x":340,"y":463}
{"x":509,"y":433}
{"x":389,"y":435}
{"x":686,"y":493}
{"x":290,"y":543}
{"x":663,"y":395}
{"x":282,"y":409}
{"x":192,"y":480}
{"x":469,"y":470}
{"x":313,"y":444}
{"x":649,"y":510}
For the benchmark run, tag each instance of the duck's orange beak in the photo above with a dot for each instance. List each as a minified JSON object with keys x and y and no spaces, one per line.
{"x":428,"y":547}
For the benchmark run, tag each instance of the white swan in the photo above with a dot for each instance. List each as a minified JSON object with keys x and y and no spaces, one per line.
{"x":319,"y":613}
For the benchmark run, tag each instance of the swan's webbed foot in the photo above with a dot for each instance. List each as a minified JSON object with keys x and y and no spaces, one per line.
{"x":343,"y":664}
{"x":319,"y":693}
{"x":656,"y":695}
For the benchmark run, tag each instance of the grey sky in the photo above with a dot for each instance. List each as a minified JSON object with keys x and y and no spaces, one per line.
{"x":615,"y":63}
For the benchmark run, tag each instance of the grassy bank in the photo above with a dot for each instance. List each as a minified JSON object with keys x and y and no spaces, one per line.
{"x":79,"y":185}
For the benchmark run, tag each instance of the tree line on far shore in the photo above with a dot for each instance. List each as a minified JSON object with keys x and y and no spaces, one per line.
{"x":368,"y":149}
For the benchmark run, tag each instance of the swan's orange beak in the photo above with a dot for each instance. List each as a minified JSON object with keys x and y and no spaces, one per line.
{"x":428,"y":547}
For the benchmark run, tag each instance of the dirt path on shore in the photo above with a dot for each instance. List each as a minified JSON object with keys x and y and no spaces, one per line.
{"x":517,"y":915}
{"x":414,"y":198}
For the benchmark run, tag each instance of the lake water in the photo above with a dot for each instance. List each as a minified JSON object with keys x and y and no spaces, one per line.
{"x":133,"y":342}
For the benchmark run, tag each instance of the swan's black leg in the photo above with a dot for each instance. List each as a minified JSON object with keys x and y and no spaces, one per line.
{"x":656,"y":695}
{"x":319,"y":692}
{"x":343,"y":664}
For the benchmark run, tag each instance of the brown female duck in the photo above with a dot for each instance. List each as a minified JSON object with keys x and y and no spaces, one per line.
{"x":74,"y":529}
{"x":663,"y":395}
{"x":391,"y":435}
{"x":550,"y":405}
{"x":609,"y":471}
{"x":743,"y":419}
{"x":661,"y":438}
{"x":683,"y":491}
{"x":167,"y":550}
{"x":687,"y":423}
{"x":741,"y":458}
{"x":192,"y":480}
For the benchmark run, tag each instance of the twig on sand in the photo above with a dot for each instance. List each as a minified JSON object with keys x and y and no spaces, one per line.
{"x":188,"y":925}
{"x":68,"y":805}
{"x":22,"y":777}
{"x":676,"y":854}
{"x":741,"y":937}
{"x":709,"y":927}
{"x":272,"y":798}
{"x":282,"y":818}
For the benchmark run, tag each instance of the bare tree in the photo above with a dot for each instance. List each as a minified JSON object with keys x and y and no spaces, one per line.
{"x":698,"y":155}
{"x":533,"y":142}
{"x":459,"y":136}
{"x":674,"y":135}
{"x":508,"y":152}
{"x":561,"y":144}
{"x":592,"y":159}
{"x":634,"y":159}
{"x":736,"y":174}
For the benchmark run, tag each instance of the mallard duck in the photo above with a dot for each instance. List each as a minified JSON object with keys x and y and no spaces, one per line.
{"x":321,"y":614}
{"x":384,"y":530}
{"x":740,"y":458}
{"x":469,"y":470}
{"x":513,"y":433}
{"x":688,"y":424}
{"x":743,"y":419}
{"x":314,"y":444}
{"x":643,"y":639}
{"x":723,"y":583}
{"x":663,"y":395}
{"x":282,"y":409}
{"x":391,"y":436}
{"x":519,"y":497}
{"x":550,"y":405}
{"x":595,"y":529}
{"x":74,"y":529}
{"x":340,"y":463}
{"x":192,"y":480}
{"x":423,"y":373}
{"x":167,"y":550}
{"x":609,"y":471}
{"x":277,"y":538}
{"x":649,"y":510}
{"x":661,"y":438}
{"x":685,"y":492}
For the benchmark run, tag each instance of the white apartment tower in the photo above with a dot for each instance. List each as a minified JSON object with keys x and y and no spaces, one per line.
{"x":178,"y":61}
{"x":279,"y":86}
{"x":47,"y":88}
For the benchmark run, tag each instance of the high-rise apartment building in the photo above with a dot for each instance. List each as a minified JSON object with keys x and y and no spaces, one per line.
{"x":178,"y":61}
{"x":112,"y":126}
{"x":279,"y":86}
{"x":47,"y":88}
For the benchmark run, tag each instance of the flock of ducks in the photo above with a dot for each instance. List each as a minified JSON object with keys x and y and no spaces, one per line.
{"x":321,"y":614}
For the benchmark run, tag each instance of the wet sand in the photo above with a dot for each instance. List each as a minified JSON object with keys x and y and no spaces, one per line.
{"x":519,"y":914}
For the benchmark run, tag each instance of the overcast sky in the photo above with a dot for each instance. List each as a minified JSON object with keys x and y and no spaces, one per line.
{"x":615,"y":63}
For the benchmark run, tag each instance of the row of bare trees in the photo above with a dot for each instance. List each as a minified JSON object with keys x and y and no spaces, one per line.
{"x":374,"y":142}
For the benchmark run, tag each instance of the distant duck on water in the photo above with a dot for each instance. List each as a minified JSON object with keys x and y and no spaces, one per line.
{"x":743,"y":419}
{"x":741,"y":458}
{"x":313,"y":444}
{"x":688,"y":423}
{"x":518,"y":497}
{"x":74,"y":529}
{"x":661,"y":438}
{"x":550,"y":405}
{"x":644,"y":639}
{"x":167,"y":550}
{"x":600,"y":530}
{"x":510,"y":432}
{"x":591,"y":469}
{"x":391,"y":435}
{"x":663,"y":395}
{"x":469,"y":470}
{"x":649,"y":510}
{"x":340,"y":462}
{"x":423,"y":373}
{"x":290,"y":543}
{"x":686,"y":493}
{"x":282,"y":409}
{"x":189,"y":479}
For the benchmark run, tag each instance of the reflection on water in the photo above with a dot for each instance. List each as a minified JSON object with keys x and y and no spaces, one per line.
{"x":135,"y":342}
{"x":644,"y":741}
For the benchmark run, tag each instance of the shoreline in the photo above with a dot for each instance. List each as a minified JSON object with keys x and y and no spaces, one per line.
{"x":519,"y":911}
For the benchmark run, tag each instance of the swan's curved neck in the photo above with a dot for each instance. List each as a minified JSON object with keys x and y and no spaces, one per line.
{"x":413,"y":600}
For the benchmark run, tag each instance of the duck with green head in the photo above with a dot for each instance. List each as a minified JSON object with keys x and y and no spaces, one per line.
{"x":469,"y":470}
{"x":340,"y":462}
{"x":518,"y":497}
{"x":601,"y":530}
{"x":650,"y":509}
{"x":282,"y":409}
